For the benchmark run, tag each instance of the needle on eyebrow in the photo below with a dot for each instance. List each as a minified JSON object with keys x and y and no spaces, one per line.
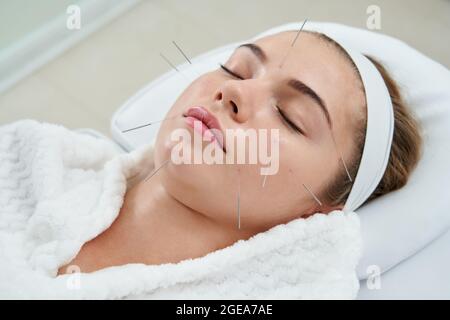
{"x":292,"y":44}
{"x":149,"y":124}
{"x":181,"y":51}
{"x":155,"y":171}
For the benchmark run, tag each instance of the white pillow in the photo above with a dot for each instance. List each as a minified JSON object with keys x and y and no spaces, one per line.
{"x":394,"y":226}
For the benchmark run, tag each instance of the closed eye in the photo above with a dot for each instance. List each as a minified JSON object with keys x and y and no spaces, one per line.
{"x":232,"y":73}
{"x":289,"y":122}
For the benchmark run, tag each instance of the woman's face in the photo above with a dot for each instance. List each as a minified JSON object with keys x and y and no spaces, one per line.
{"x":308,"y":92}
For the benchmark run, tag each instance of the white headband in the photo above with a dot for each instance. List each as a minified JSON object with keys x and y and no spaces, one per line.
{"x":379,"y":131}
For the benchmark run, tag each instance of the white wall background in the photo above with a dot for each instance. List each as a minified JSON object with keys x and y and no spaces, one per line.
{"x":35,"y":32}
{"x":83,"y":85}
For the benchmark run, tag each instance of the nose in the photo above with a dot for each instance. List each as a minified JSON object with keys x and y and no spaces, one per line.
{"x":231,"y":97}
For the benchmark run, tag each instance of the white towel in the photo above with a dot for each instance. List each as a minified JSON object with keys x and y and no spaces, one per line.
{"x":59,"y":189}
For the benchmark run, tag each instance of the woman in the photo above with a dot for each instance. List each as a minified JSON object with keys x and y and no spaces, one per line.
{"x":312,"y":93}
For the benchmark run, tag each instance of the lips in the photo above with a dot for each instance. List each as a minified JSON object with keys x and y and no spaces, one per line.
{"x":209,"y":123}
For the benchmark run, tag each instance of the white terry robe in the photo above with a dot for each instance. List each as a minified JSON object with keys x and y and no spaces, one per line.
{"x":59,"y":189}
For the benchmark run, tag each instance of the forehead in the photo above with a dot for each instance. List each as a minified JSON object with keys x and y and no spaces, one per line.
{"x":319,"y":64}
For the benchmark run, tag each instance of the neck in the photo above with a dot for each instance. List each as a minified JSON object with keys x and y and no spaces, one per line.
{"x":155,"y":228}
{"x":168,"y":230}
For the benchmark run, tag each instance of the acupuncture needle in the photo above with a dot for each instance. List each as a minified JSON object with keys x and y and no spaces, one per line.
{"x":309,"y":191}
{"x":175,"y":68}
{"x":239,"y":201}
{"x":340,"y":156}
{"x":150,"y":123}
{"x":312,"y":194}
{"x":292,"y":44}
{"x":264,"y":181}
{"x":181,"y":51}
{"x":155,"y":171}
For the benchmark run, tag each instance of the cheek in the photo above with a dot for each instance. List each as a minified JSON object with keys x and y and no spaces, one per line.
{"x":284,"y":196}
{"x":265,"y":201}
{"x":208,"y":189}
{"x":269,"y":200}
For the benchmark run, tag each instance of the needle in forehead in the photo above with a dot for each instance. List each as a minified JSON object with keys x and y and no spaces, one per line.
{"x":292,"y":44}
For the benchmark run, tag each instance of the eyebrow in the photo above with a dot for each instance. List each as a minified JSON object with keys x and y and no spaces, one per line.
{"x":303,"y":88}
{"x":293,"y":83}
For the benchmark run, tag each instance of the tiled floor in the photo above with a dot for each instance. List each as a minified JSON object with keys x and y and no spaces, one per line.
{"x":84,"y":86}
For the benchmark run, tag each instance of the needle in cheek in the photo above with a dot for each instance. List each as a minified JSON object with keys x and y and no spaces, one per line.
{"x":239,"y":200}
{"x":312,"y":194}
{"x":309,"y":191}
{"x":264,"y":181}
{"x":156,"y":170}
{"x":341,"y":157}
